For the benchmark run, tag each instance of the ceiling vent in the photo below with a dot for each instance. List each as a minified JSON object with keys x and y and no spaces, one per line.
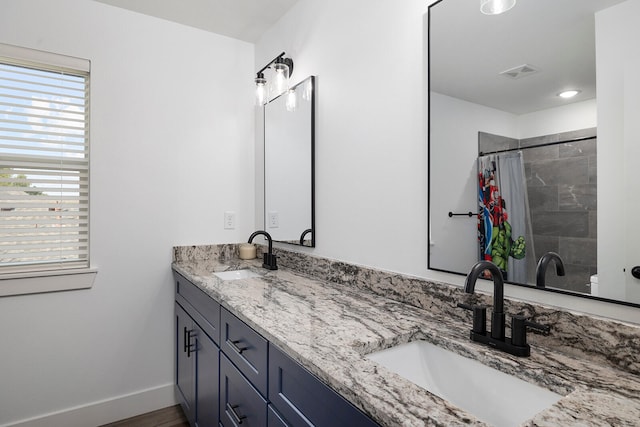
{"x":520,"y":71}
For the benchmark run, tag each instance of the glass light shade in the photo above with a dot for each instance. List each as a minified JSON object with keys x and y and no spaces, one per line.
{"x":280,"y":79}
{"x":261,"y":91}
{"x":496,"y":7}
{"x":291,"y":102}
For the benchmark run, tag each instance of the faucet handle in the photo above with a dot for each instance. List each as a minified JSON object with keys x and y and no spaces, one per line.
{"x":519,"y":325}
{"x":479,"y":317}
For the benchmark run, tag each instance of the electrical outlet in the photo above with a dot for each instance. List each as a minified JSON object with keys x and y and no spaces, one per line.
{"x":274,"y":220}
{"x":229,"y":220}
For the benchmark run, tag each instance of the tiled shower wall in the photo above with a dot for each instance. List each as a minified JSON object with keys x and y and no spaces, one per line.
{"x":561,"y":186}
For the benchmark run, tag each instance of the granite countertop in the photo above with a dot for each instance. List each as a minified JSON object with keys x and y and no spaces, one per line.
{"x":329,"y":328}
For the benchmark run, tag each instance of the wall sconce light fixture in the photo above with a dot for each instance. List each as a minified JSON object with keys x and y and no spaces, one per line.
{"x":496,"y":7}
{"x":282,"y":68}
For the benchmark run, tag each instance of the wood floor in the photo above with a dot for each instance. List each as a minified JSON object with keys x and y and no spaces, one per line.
{"x":167,"y":417}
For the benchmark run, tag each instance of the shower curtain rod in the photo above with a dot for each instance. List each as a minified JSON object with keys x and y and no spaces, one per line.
{"x":546,"y":144}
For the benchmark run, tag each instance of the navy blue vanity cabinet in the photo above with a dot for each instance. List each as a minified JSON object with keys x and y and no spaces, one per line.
{"x":301,"y":399}
{"x":245,"y":348}
{"x":197,"y":354}
{"x":240,"y":403}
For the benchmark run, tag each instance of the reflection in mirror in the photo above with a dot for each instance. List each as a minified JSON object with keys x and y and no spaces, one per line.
{"x":289,"y":165}
{"x":538,"y":195}
{"x":504,"y":146}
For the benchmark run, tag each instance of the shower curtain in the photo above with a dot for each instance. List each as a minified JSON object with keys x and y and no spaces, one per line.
{"x":503,"y":219}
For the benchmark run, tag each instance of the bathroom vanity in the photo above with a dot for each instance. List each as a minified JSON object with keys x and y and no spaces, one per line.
{"x":288,"y":340}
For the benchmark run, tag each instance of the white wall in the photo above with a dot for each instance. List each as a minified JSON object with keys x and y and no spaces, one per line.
{"x":370,"y":125}
{"x":171,"y":134}
{"x":454,"y":142}
{"x":618,"y":60}
{"x":570,"y":117}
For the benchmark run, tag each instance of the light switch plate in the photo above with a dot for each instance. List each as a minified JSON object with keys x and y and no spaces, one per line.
{"x":229,"y":220}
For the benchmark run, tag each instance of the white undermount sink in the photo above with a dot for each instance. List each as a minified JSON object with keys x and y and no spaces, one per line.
{"x":235,"y":274}
{"x":492,"y":396}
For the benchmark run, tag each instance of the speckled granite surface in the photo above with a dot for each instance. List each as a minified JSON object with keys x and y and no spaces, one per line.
{"x":307,"y":309}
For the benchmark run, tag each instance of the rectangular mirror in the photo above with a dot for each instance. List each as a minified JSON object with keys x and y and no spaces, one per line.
{"x":289,"y":141}
{"x":495,"y":112}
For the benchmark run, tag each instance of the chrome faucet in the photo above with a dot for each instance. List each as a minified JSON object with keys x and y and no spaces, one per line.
{"x":517,"y":344}
{"x":268,"y":259}
{"x":543,"y":263}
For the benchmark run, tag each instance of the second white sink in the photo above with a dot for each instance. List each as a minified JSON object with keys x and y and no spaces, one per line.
{"x":490,"y":395}
{"x":235,"y":274}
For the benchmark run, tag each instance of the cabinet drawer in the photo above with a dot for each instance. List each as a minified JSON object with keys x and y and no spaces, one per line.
{"x":240,"y":403}
{"x":207,"y":310}
{"x":245,"y":348}
{"x":302,"y":399}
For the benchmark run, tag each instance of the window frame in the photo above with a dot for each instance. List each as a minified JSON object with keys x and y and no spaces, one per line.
{"x":56,"y":276}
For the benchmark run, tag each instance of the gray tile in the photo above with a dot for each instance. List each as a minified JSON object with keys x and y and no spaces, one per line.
{"x":544,"y":244}
{"x":543,"y":199}
{"x":537,"y":140}
{"x":593,"y":224}
{"x":577,"y":197}
{"x":488,"y":142}
{"x":593,"y":169}
{"x":578,"y":148}
{"x":549,"y":152}
{"x":567,"y":224}
{"x":578,"y":251}
{"x":581,"y":133}
{"x":574,"y":170}
{"x":577,"y":278}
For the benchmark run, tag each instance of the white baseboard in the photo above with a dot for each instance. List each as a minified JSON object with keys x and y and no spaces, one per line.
{"x":105,"y":411}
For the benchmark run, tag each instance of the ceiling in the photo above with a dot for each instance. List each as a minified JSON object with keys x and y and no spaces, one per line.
{"x":241,"y":19}
{"x":468,"y":50}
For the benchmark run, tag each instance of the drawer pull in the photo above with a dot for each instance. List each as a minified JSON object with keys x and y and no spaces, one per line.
{"x":234,"y":345}
{"x":188,"y":347}
{"x":185,"y":340}
{"x":238,"y":419}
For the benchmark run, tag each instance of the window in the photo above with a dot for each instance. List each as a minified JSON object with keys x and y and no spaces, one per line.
{"x":44,"y":162}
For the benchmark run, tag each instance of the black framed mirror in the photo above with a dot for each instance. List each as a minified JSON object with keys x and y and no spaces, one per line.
{"x":495,"y":80}
{"x":289,"y":165}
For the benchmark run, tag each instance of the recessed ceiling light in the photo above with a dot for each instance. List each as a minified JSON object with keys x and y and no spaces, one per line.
{"x":496,"y":7}
{"x":568,"y":93}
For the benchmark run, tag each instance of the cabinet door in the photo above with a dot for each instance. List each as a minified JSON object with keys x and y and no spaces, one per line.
{"x":303,"y":400}
{"x":240,"y":403}
{"x":207,"y":377}
{"x":185,"y":364}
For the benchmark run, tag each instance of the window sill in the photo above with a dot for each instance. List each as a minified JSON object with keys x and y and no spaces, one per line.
{"x":40,"y":282}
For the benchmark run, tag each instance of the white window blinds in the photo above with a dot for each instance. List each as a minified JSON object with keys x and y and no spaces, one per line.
{"x":44,"y":162}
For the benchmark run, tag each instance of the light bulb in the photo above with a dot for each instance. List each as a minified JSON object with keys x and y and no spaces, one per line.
{"x":496,"y":7}
{"x":291,"y":102}
{"x":281,"y":78}
{"x":568,"y":93}
{"x":261,"y":90}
